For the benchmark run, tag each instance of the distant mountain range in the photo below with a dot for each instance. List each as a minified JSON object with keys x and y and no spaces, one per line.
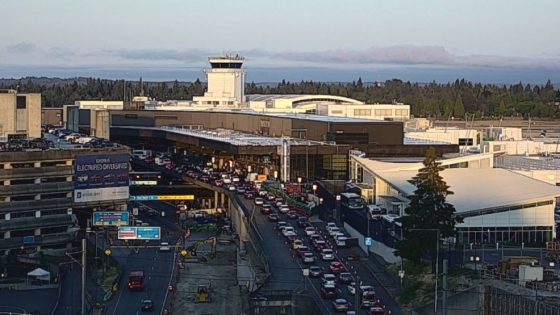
{"x":54,"y":75}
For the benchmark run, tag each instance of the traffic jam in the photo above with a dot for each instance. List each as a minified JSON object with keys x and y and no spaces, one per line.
{"x":320,"y":249}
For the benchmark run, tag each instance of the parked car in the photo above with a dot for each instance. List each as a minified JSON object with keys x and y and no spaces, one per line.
{"x":288,"y":230}
{"x":340,"y":241}
{"x":259,"y":201}
{"x":273,"y":217}
{"x":284,"y":209}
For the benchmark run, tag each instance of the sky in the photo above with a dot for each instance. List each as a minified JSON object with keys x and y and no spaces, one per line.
{"x":513,"y":39}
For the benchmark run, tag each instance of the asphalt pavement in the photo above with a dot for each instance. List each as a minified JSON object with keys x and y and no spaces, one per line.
{"x":157,"y":266}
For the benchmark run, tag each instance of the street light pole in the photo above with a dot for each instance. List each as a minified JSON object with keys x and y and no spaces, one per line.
{"x":84,"y":276}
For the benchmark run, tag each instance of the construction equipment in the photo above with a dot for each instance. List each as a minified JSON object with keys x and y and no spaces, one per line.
{"x":202,"y":294}
{"x":508,"y":267}
{"x":192,"y":251}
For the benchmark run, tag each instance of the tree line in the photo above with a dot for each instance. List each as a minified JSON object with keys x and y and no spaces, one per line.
{"x":434,"y":100}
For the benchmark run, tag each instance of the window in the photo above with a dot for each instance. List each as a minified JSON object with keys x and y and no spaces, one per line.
{"x":337,"y":112}
{"x":465,"y":141}
{"x":26,"y":214}
{"x":401,"y":112}
{"x":497,"y":147}
{"x":362,"y":112}
{"x":53,"y":196}
{"x":383,"y":112}
{"x":131,"y":116}
{"x":21,"y":102}
{"x":22,"y":181}
{"x":53,"y":212}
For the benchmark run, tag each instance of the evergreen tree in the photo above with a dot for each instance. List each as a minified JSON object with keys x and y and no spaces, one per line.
{"x":427,"y":212}
{"x":459,"y":109}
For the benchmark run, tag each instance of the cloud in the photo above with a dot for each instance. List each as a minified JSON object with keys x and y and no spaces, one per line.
{"x":161,"y":54}
{"x":21,"y":48}
{"x":415,"y":55}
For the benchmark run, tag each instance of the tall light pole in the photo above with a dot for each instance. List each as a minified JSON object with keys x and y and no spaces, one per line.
{"x":437,"y":265}
{"x":299,"y":179}
{"x":314,"y":189}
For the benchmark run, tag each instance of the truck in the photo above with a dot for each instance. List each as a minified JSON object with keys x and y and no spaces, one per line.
{"x":136,"y":281}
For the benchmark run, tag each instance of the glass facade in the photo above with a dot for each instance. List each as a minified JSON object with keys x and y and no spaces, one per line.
{"x":530,"y":235}
{"x":332,"y":166}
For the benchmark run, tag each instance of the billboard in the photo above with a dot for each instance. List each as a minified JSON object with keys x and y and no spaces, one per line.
{"x":110,"y":218}
{"x":101,"y":177}
{"x":139,"y":233}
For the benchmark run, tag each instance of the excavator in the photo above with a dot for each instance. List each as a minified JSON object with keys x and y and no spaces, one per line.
{"x":192,"y":250}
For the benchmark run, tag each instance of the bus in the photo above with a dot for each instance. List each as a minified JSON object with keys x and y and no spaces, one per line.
{"x":136,"y":281}
{"x":352,"y":201}
{"x":145,"y":178}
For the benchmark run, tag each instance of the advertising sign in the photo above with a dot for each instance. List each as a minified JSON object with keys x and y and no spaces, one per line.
{"x":110,"y":218}
{"x":139,"y":233}
{"x":101,"y":177}
{"x":126,"y":233}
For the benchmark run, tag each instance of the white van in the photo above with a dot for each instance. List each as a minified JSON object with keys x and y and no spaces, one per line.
{"x":141,"y":154}
{"x":375,"y":212}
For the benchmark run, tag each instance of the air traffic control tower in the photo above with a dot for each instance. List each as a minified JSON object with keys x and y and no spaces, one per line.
{"x":226,"y":82}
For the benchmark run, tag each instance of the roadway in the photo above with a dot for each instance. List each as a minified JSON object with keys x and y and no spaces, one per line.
{"x":287,"y":271}
{"x":157,"y":266}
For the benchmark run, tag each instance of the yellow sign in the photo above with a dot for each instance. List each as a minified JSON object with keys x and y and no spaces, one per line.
{"x":108,"y":252}
{"x":176,"y":197}
{"x":183,"y":252}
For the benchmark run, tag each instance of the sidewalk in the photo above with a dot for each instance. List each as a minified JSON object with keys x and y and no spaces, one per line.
{"x":378,"y":268}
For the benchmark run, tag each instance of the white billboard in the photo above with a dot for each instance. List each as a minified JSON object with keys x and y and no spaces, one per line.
{"x":97,"y":194}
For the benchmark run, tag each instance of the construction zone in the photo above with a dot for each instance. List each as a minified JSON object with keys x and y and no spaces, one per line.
{"x":208,"y":281}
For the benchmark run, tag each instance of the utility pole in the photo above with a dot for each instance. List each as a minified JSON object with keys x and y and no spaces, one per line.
{"x":444,"y":287}
{"x":83,"y":276}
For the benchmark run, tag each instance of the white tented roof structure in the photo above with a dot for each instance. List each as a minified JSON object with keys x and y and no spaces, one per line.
{"x":302,"y":98}
{"x":492,"y":187}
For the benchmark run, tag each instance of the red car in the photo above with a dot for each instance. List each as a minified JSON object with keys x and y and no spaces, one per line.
{"x":337,"y":267}
{"x":302,"y":250}
{"x":219,"y":183}
{"x":266,"y":209}
{"x":329,"y":291}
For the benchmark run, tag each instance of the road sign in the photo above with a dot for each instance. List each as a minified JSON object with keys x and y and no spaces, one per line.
{"x":113,"y":218}
{"x":368,"y":241}
{"x":148,"y":232}
{"x":28,"y":240}
{"x":127,"y":233}
{"x":161,"y":197}
{"x":135,"y":211}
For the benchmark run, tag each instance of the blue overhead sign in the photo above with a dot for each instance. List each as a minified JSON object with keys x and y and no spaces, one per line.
{"x":110,"y":218}
{"x":29,"y":240}
{"x":139,"y":233}
{"x":368,"y":241}
{"x":148,"y":232}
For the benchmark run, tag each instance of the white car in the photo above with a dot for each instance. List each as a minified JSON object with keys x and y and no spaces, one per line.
{"x":164,"y":247}
{"x":363,"y":288}
{"x":308,"y":258}
{"x":310,"y":230}
{"x":259,"y":201}
{"x":328,"y":278}
{"x":327,"y":254}
{"x":288,"y":230}
{"x":333,"y":231}
{"x":330,"y":225}
{"x":232,"y":188}
{"x":337,"y":235}
{"x":284,"y":209}
{"x":341,"y":241}
{"x":262,"y":193}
